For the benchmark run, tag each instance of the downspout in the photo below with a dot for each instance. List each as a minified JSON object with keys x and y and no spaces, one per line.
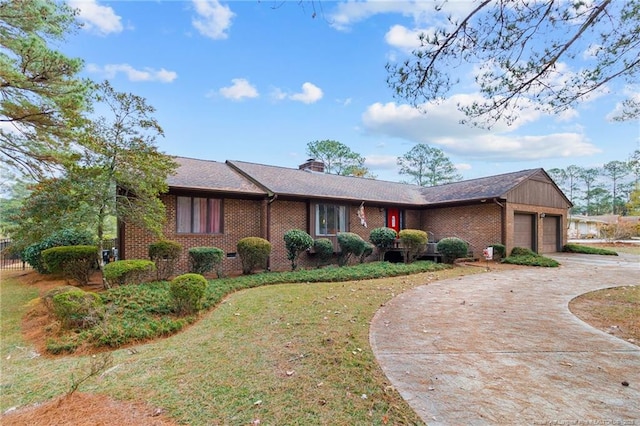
{"x":267,"y":232}
{"x":503,"y":222}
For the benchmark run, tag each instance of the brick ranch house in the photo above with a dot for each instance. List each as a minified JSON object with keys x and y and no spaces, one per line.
{"x":211,"y":203}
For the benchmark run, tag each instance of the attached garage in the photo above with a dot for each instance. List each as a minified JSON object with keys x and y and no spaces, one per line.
{"x":551,"y":234}
{"x":524,"y":230}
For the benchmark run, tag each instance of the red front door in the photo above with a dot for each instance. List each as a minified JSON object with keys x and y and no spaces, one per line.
{"x":393,"y":219}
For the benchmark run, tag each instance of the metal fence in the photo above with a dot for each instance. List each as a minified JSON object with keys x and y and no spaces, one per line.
{"x":9,"y":259}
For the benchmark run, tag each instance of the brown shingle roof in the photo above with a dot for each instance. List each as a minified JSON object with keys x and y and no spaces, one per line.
{"x":259,"y":179}
{"x":211,"y":176}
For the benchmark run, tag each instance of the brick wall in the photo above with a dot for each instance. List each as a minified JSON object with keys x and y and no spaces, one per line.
{"x":480,"y":225}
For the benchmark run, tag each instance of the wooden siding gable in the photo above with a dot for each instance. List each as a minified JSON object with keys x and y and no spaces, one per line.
{"x":539,"y":190}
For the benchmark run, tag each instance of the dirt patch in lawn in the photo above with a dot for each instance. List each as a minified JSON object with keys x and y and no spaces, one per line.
{"x":613,"y":310}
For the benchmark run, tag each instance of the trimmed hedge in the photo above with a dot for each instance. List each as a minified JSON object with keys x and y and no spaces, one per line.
{"x":205,"y":259}
{"x":77,"y":309}
{"x":414,"y":242}
{"x":165,"y":255}
{"x":75,"y":262}
{"x":452,"y":248}
{"x":350,"y":245}
{"x":254,"y":252}
{"x":296,"y":241}
{"x":383,"y":238}
{"x":323,"y":247}
{"x":67,"y":237}
{"x":186,"y":292}
{"x":577,"y":248}
{"x":133,"y":271}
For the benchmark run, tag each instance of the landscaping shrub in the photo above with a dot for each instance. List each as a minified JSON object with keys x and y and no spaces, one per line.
{"x":75,"y":262}
{"x":368,"y":250}
{"x":47,"y":298}
{"x":452,"y":248}
{"x":165,"y":255}
{"x":296,"y":241}
{"x":133,"y":271}
{"x":68,"y":237}
{"x":414,"y":242}
{"x":254,"y":252}
{"x":383,"y":238}
{"x":350,"y":245}
{"x":577,"y":248}
{"x":499,"y":251}
{"x":205,"y":259}
{"x":323,"y":247}
{"x":531,"y":260}
{"x":77,"y":309}
{"x":522,"y":251}
{"x":186,"y":292}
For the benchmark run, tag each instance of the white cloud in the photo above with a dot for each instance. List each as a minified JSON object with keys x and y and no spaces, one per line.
{"x":440,"y":127}
{"x":403,"y":38}
{"x":240,"y":89}
{"x":310,"y":94}
{"x":147,"y":74}
{"x":380,"y":162}
{"x":97,"y":18}
{"x":214,"y":19}
{"x":463,"y":166}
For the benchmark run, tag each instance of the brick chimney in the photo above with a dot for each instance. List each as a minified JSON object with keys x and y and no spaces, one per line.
{"x":312,"y":165}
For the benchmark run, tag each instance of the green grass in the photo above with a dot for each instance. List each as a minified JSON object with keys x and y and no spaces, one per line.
{"x":285,"y":354}
{"x":578,"y":248}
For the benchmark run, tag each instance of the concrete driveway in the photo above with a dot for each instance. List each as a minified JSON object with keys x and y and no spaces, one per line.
{"x":503,"y":348}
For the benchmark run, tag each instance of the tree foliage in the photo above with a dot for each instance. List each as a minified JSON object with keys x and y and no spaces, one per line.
{"x":427,"y":166}
{"x":41,"y":97}
{"x":521,"y":51}
{"x":338,"y":158}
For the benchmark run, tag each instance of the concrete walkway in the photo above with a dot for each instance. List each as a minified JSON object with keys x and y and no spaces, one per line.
{"x":503,"y":348}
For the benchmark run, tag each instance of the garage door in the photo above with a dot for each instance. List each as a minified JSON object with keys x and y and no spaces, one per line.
{"x":523,"y":231}
{"x":550,"y":227}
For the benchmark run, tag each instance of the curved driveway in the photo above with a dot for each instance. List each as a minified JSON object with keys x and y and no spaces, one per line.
{"x":503,"y":348}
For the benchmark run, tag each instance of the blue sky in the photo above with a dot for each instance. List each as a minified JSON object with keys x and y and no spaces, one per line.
{"x":256,"y":81}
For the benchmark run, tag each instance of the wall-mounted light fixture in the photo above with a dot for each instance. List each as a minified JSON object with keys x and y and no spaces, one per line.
{"x":542,"y":215}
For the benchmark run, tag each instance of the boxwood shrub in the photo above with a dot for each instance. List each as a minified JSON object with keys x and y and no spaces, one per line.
{"x":323,"y":247}
{"x":296,"y":241}
{"x":165,"y":255}
{"x":132,"y":271}
{"x":186,"y":292}
{"x":77,"y":309}
{"x":75,"y":262}
{"x":254,"y":253}
{"x":414,"y":242}
{"x":383,"y":238}
{"x":452,"y":248}
{"x":205,"y":259}
{"x":350,"y":245}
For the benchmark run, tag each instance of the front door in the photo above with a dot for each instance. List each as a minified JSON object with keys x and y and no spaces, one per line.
{"x":393,"y":219}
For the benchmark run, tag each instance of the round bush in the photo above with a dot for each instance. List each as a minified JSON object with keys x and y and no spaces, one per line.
{"x":414,"y":242}
{"x":77,"y":308}
{"x":47,"y":298}
{"x":186,"y":292}
{"x":205,"y":259}
{"x":75,"y":262}
{"x":165,"y":255}
{"x":452,"y":248}
{"x":254,"y":252}
{"x":522,"y":251}
{"x":132,"y":271}
{"x":350,"y":245}
{"x":296,"y":241}
{"x":323,"y":247}
{"x":499,"y":250}
{"x":67,"y":237}
{"x":383,"y":238}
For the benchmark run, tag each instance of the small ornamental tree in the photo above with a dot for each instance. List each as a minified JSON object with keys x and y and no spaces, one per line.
{"x":383,"y":238}
{"x":350,"y":245}
{"x":414,"y":242}
{"x":323,"y":247}
{"x":296,"y":241}
{"x":165,"y":255}
{"x":254,"y":252}
{"x":452,"y":248}
{"x":205,"y":259}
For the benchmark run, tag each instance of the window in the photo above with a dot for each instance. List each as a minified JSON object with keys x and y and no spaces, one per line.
{"x":330,"y":219}
{"x":199,"y":215}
